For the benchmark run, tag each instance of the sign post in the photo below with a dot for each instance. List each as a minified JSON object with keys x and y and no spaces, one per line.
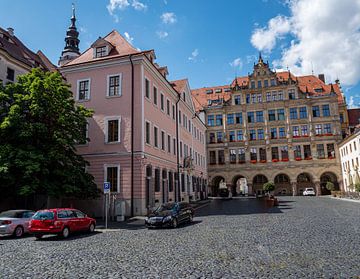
{"x":106,"y":192}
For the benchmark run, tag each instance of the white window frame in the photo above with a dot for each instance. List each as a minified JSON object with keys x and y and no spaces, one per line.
{"x":106,"y":166}
{"x":106,"y":51}
{"x":107,"y":119}
{"x":108,"y":85}
{"x":78,"y":89}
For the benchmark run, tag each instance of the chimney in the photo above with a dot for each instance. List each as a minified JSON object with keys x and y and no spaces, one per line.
{"x":322,"y":77}
{"x":10,"y":31}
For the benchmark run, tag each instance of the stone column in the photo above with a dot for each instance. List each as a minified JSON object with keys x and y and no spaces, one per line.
{"x":294,"y":188}
{"x":250,"y":188}
{"x":317,"y":188}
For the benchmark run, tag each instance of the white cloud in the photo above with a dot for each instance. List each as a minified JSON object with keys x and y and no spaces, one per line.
{"x":168,"y":18}
{"x":117,"y":4}
{"x":236,"y":63}
{"x":194,"y":55}
{"x":325,"y":38}
{"x":351,"y":102}
{"x":128,"y":37}
{"x":162,"y":34}
{"x":138,"y":5}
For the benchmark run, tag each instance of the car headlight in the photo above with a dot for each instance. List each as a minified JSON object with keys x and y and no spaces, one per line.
{"x":167,"y":218}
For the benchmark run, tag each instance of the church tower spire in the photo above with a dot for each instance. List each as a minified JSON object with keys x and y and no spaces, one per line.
{"x":71,"y":49}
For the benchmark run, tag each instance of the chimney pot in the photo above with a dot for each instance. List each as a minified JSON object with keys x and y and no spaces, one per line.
{"x":10,"y":31}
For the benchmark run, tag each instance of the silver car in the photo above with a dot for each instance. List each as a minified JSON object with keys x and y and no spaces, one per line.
{"x":15,"y":222}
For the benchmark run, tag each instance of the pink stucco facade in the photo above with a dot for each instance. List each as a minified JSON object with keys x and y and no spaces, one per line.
{"x":155,"y":160}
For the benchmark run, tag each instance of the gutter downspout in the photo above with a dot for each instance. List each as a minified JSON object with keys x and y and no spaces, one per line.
{"x":132,"y":137}
{"x":177,"y":189}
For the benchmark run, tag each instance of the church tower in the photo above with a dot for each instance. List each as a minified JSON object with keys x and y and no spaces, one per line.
{"x":71,"y":49}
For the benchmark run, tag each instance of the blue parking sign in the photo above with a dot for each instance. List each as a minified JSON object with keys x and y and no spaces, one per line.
{"x":106,"y":187}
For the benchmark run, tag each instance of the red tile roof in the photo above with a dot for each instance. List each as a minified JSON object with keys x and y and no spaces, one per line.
{"x":179,"y":85}
{"x":121,"y":47}
{"x":202,"y":95}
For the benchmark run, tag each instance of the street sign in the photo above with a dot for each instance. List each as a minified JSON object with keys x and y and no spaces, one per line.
{"x":106,"y":187}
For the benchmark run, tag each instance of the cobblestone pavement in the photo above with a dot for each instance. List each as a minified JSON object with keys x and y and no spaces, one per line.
{"x":305,"y":237}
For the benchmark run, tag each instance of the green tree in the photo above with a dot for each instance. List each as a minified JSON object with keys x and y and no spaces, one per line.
{"x":269,"y":187}
{"x":39,"y":128}
{"x":330,"y":186}
{"x":357,"y":187}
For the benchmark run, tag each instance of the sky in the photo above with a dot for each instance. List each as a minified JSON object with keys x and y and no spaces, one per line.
{"x":208,"y":41}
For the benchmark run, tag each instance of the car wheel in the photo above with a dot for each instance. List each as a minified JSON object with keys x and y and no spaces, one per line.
{"x":191,"y":218}
{"x":38,"y":236}
{"x":65,"y":232}
{"x":91,"y":228}
{"x":19,"y":231}
{"x":174,"y":223}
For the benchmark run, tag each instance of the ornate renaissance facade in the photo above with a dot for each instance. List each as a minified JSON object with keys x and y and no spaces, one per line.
{"x":276,"y":127}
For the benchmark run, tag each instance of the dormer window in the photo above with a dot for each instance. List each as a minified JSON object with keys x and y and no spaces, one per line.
{"x":101,"y":51}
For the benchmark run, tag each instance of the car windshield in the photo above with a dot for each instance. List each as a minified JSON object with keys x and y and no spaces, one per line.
{"x":12,"y":214}
{"x":309,"y":189}
{"x":165,"y":207}
{"x":43,"y":215}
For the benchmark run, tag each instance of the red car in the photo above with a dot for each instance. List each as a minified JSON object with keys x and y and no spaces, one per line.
{"x":61,"y":221}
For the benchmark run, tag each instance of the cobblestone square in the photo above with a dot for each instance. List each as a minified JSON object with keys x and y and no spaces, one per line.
{"x":305,"y":237}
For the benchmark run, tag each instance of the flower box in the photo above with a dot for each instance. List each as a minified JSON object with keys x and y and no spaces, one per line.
{"x":296,"y":137}
{"x":285,"y":160}
{"x":298,"y":159}
{"x":328,"y":135}
{"x":308,"y":158}
{"x":262,"y":161}
{"x":253,"y":161}
{"x":275,"y":160}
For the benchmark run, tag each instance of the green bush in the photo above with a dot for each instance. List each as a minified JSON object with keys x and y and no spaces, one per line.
{"x":330,"y":186}
{"x":357,"y":187}
{"x":269,"y":186}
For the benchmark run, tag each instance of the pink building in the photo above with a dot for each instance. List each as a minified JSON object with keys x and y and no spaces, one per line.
{"x":144,"y":131}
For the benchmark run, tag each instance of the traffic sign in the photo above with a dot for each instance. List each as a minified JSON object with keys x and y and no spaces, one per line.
{"x":106,"y":187}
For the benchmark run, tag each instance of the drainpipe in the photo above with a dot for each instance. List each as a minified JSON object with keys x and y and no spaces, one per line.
{"x":132,"y":136}
{"x":177,"y":189}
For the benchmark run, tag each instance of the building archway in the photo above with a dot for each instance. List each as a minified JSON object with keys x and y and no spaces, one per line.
{"x":325,"y":178}
{"x":235,"y":185}
{"x":304,"y":180}
{"x":215,"y":182}
{"x":258,"y":183}
{"x":282,"y":184}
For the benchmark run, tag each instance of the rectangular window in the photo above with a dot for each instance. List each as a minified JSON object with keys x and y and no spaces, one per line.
{"x":274,"y":96}
{"x":280,"y":96}
{"x":113,"y":131}
{"x":331,"y":151}
{"x":273,"y":133}
{"x":232,"y":136}
{"x":239,"y":135}
{"x":114,"y":86}
{"x":230,"y":119}
{"x":318,"y":129}
{"x":272,"y":116}
{"x":281,"y":114}
{"x":268,"y":96}
{"x":296,"y":131}
{"x":266,"y":83}
{"x":101,"y":51}
{"x":219,"y":137}
{"x":320,"y":151}
{"x":260,"y":134}
{"x":168,"y":107}
{"x":259,"y":98}
{"x":304,"y":130}
{"x":282,"y":132}
{"x":259,"y":84}
{"x":250,"y":117}
{"x":237,"y":100}
{"x":259,"y":116}
{"x":173,"y":112}
{"x":84,"y":90}
{"x":181,"y":149}
{"x":272,"y":82}
{"x":316,"y":111}
{"x":293,"y":113}
{"x":327,"y":129}
{"x":212,"y":157}
{"x":169,"y":143}
{"x":241,"y":153}
{"x":253,"y":154}
{"x":84,"y":133}
{"x":212,"y":138}
{"x":156,"y":143}
{"x":262,"y":153}
{"x":275,"y":153}
{"x":10,"y":74}
{"x":252,"y":84}
{"x":303,"y":112}
{"x":326,"y":110}
{"x":307,"y":152}
{"x":180,"y":117}
{"x":162,"y":101}
{"x":210,"y":120}
{"x":147,"y":88}
{"x":147,"y":136}
{"x":284,"y":153}
{"x":174,"y":146}
{"x":252,"y":135}
{"x":248,"y":98}
{"x":253,"y":98}
{"x":112,"y":176}
{"x":291,"y":93}
{"x":155,"y":96}
{"x":219,"y":120}
{"x":341,"y":118}
{"x":221,"y":156}
{"x":238,"y":118}
{"x":297,"y":152}
{"x":232,"y":156}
